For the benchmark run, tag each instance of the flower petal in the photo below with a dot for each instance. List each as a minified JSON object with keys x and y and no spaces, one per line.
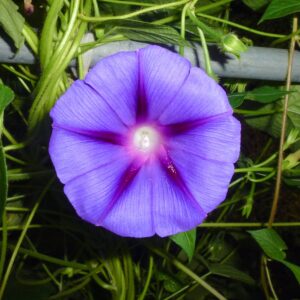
{"x":152,"y":203}
{"x":162,"y":74}
{"x":217,"y":140}
{"x":131,"y":214}
{"x":173,"y":211}
{"x":115,"y":79}
{"x":206,"y":180}
{"x":74,"y":154}
{"x":199,"y":98}
{"x":81,"y":108}
{"x":92,"y":193}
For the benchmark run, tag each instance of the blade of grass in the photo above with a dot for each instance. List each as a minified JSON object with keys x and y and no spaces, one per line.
{"x":21,"y":238}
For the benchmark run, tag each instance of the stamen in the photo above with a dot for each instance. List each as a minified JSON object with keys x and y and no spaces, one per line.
{"x":146,"y":139}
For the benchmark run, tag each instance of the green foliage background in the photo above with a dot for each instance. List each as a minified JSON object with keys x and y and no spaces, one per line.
{"x":239,"y":252}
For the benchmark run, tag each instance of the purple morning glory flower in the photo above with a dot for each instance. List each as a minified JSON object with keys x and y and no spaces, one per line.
{"x":145,"y":144}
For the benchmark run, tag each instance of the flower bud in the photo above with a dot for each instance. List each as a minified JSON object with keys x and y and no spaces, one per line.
{"x":292,"y":160}
{"x":232,"y":44}
{"x":292,"y":138}
{"x":28,"y":7}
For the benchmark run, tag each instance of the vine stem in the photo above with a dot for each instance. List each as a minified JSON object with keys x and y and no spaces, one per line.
{"x":208,"y":67}
{"x":203,"y":8}
{"x":4,"y":244}
{"x":283,"y":127}
{"x":203,"y":225}
{"x":137,"y":3}
{"x":70,"y":27}
{"x":250,"y":113}
{"x":50,"y":259}
{"x":269,"y":280}
{"x":266,"y":34}
{"x":133,"y":14}
{"x":253,"y":169}
{"x":150,"y":271}
{"x":191,"y":14}
{"x":182,"y":23}
{"x":182,"y":27}
{"x":246,"y":224}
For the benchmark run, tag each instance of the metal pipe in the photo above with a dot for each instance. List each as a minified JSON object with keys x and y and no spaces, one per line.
{"x":257,"y":63}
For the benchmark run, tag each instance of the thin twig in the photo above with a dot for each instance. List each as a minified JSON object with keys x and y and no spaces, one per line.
{"x":283,"y":127}
{"x":269,"y":280}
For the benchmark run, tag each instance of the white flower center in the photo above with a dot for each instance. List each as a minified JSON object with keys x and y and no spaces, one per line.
{"x":146,"y":139}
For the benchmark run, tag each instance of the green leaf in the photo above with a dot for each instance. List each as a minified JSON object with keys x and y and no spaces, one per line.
{"x":150,"y":33}
{"x":270,"y":242}
{"x":295,"y":182}
{"x":274,"y":247}
{"x":256,"y":4}
{"x":236,"y":99}
{"x":186,"y":240}
{"x":294,"y":268}
{"x":271,"y":123}
{"x":6,"y":96}
{"x":229,"y":271}
{"x":292,"y":177}
{"x":279,"y":8}
{"x":12,"y":21}
{"x":265,"y":94}
{"x":171,"y":283}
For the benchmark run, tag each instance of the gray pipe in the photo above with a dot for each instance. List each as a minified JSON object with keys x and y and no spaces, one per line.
{"x":257,"y":63}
